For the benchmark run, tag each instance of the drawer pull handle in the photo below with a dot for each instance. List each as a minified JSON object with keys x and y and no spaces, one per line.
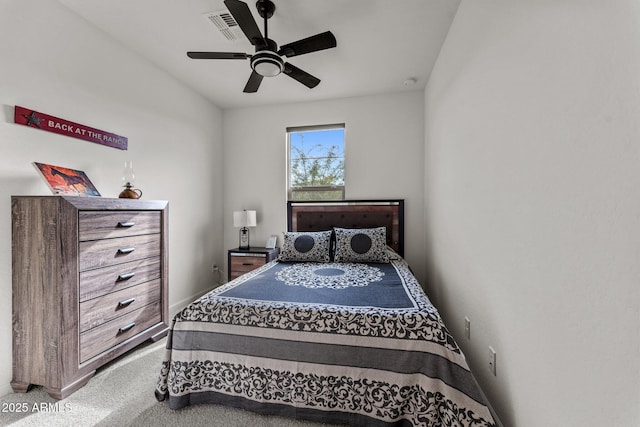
{"x":247,"y":263}
{"x":124,"y":224}
{"x":125,"y":328}
{"x":125,"y":276}
{"x":124,"y":251}
{"x":126,"y":302}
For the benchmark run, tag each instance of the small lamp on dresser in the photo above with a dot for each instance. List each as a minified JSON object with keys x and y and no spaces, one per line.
{"x":243,"y":220}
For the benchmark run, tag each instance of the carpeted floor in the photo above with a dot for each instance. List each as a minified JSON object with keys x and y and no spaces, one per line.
{"x":121,"y":394}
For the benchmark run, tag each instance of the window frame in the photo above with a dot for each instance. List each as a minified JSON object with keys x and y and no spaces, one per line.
{"x":318,"y":188}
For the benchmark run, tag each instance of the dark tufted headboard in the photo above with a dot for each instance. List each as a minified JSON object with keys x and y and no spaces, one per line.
{"x":320,"y":216}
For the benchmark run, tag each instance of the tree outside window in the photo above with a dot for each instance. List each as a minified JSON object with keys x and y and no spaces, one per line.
{"x":316,"y":163}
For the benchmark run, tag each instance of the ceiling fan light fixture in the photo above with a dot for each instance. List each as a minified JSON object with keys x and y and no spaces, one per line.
{"x":267,"y":63}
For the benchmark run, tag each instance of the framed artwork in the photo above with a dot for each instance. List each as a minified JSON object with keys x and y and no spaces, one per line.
{"x":66,"y":181}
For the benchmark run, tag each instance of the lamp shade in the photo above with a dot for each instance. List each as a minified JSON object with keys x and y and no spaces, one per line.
{"x":244,"y":218}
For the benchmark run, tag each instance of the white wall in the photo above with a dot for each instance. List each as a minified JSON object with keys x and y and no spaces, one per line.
{"x":532,"y":204}
{"x":53,"y":62}
{"x":383,"y":150}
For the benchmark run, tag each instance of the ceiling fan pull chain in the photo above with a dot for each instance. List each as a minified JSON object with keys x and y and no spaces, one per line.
{"x":266,"y":34}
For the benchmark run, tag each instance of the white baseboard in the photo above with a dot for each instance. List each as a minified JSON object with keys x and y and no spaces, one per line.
{"x":5,"y":389}
{"x":493,"y":413}
{"x":177,"y":306}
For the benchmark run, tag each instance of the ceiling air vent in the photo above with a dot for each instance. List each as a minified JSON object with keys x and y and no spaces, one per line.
{"x":225,"y":23}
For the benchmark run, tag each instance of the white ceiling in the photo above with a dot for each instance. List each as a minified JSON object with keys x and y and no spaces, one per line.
{"x":381,"y":43}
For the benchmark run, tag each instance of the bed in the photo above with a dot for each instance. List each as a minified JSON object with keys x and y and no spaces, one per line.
{"x":336,"y":330}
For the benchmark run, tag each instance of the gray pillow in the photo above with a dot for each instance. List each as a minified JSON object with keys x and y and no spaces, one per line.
{"x":361,"y":245}
{"x":310,"y":246}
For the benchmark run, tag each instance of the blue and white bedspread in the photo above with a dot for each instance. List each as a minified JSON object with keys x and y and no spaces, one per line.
{"x":358,"y":344}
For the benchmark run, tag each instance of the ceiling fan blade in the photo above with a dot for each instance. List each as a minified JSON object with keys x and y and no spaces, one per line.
{"x":315,"y":43}
{"x":302,"y":76}
{"x":241,"y":13}
{"x":254,"y":83}
{"x":218,"y":55}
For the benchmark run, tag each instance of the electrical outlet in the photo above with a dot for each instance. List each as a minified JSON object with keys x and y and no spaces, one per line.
{"x":467,"y":328}
{"x":217,"y":273}
{"x":492,"y":360}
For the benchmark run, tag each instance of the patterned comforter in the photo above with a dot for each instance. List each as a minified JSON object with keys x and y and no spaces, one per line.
{"x":358,"y":344}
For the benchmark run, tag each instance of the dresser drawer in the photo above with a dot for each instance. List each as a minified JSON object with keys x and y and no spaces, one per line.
{"x":103,"y":253}
{"x":247,"y":263}
{"x":106,"y":225}
{"x":97,"y":311}
{"x":101,"y":281}
{"x":104,"y":337}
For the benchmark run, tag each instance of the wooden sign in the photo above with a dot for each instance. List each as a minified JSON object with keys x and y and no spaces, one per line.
{"x":53,"y":124}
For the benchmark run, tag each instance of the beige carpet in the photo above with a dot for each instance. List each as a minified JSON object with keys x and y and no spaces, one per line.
{"x":121,"y":394}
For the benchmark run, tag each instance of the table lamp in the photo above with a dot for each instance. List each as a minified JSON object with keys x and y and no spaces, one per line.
{"x":244,"y":219}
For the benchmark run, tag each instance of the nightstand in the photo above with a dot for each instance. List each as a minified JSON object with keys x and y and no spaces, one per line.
{"x":242,"y":261}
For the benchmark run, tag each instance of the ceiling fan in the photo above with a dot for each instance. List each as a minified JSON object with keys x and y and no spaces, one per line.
{"x":267,"y":60}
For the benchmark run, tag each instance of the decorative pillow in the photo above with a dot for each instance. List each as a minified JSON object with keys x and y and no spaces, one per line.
{"x":361,"y":245}
{"x":312,"y":246}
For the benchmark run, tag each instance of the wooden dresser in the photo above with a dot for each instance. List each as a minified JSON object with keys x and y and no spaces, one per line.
{"x":90,"y":281}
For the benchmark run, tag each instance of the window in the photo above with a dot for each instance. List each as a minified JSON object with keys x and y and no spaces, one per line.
{"x":316,"y":162}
